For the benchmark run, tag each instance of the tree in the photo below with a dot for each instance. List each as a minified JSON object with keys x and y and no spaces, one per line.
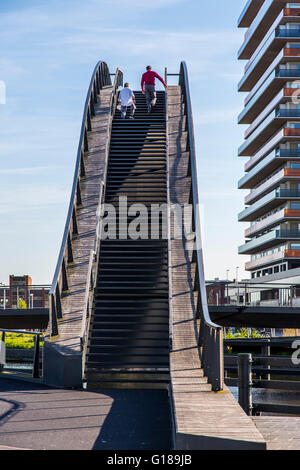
{"x":22,"y":304}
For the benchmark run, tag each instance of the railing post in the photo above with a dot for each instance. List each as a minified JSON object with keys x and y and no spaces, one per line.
{"x":2,"y":351}
{"x":65,"y":285}
{"x":36,"y":358}
{"x":86,"y":143}
{"x":70,"y":250}
{"x":58,"y":303}
{"x":75,"y":225}
{"x":78,"y":193}
{"x":53,"y":318}
{"x":82,"y":166}
{"x":245,"y":382}
{"x":217,"y":379}
{"x":266,"y":351}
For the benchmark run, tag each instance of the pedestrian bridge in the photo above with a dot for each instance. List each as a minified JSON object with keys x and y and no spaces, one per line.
{"x":128,"y":306}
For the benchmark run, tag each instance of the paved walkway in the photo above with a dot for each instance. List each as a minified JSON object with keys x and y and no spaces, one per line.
{"x":36,"y":417}
{"x":280,"y":432}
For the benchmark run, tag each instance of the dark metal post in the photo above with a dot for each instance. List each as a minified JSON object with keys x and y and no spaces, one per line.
{"x":3,"y":341}
{"x":266,"y":351}
{"x":245,"y":382}
{"x":36,"y":358}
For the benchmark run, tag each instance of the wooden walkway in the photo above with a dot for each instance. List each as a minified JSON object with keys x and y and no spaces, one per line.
{"x":68,"y":340}
{"x":204,"y":419}
{"x":280,"y":432}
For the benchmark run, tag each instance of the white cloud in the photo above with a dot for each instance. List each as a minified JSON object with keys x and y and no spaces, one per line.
{"x":29,"y":197}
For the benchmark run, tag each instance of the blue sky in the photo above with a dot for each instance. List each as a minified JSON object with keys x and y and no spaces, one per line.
{"x":48,"y":51}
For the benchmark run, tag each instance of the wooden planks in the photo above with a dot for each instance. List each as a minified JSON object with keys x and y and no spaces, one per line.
{"x":203,"y":419}
{"x":280,"y":432}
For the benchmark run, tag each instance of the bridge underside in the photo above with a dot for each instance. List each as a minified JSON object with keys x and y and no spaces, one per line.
{"x":256,"y":317}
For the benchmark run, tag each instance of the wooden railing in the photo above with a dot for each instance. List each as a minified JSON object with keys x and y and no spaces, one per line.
{"x":292,"y":12}
{"x":292,"y":213}
{"x":291,"y":51}
{"x":292,"y":254}
{"x":291,"y":132}
{"x":100,"y":78}
{"x":292,"y":172}
{"x":210,"y":334}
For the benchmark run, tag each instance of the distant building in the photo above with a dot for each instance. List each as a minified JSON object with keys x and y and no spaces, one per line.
{"x":20,"y":288}
{"x":216,"y":292}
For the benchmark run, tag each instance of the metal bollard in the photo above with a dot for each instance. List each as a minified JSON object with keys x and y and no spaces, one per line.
{"x":245,"y":382}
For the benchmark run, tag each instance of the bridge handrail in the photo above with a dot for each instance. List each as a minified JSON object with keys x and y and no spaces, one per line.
{"x":94,"y":253}
{"x":211,"y":334}
{"x":101,"y":77}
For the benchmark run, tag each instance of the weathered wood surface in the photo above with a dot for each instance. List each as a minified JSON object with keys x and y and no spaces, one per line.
{"x":68,"y":340}
{"x":280,"y":432}
{"x":204,"y":419}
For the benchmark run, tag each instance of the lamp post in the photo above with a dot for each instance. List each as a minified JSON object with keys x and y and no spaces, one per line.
{"x":237,"y":284}
{"x":227,"y":283}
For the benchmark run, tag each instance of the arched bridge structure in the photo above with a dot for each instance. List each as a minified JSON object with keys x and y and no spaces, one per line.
{"x":128,"y":306}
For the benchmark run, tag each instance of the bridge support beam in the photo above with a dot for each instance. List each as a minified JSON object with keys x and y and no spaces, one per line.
{"x":62,"y":368}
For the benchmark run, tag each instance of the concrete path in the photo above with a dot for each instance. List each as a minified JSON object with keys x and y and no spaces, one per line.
{"x":36,"y":417}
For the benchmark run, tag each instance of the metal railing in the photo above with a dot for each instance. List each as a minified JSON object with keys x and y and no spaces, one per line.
{"x":169,"y":219}
{"x":101,"y":77}
{"x":263,"y":372}
{"x":210,"y":334}
{"x":36,"y":362}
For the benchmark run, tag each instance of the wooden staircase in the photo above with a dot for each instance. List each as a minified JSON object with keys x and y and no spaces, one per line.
{"x":129,"y":334}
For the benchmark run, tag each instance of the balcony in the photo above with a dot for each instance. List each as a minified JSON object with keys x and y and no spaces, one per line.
{"x":272,"y":221}
{"x":292,"y":51}
{"x":275,"y":104}
{"x":267,"y":186}
{"x":267,"y":58}
{"x":267,"y":203}
{"x":264,"y":94}
{"x":265,"y":261}
{"x":267,"y":223}
{"x":267,"y":128}
{"x":258,"y":244}
{"x":249,"y":13}
{"x":291,"y":132}
{"x":266,"y":20}
{"x":292,"y":12}
{"x":267,"y":166}
{"x":292,"y":254}
{"x":268,"y":240}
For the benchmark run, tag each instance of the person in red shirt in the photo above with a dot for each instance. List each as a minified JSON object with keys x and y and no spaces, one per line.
{"x":148,"y":86}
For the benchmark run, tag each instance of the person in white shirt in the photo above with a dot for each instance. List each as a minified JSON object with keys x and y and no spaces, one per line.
{"x":127,"y":100}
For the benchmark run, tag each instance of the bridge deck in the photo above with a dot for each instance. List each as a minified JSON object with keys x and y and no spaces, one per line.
{"x":204,"y":419}
{"x":36,"y":417}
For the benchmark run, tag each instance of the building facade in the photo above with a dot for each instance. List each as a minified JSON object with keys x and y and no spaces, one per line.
{"x":271,"y":82}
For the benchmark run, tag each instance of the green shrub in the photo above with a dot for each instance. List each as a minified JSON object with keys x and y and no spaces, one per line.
{"x":20,"y":341}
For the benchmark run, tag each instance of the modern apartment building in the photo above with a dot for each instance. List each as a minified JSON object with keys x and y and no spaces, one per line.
{"x":271,"y":81}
